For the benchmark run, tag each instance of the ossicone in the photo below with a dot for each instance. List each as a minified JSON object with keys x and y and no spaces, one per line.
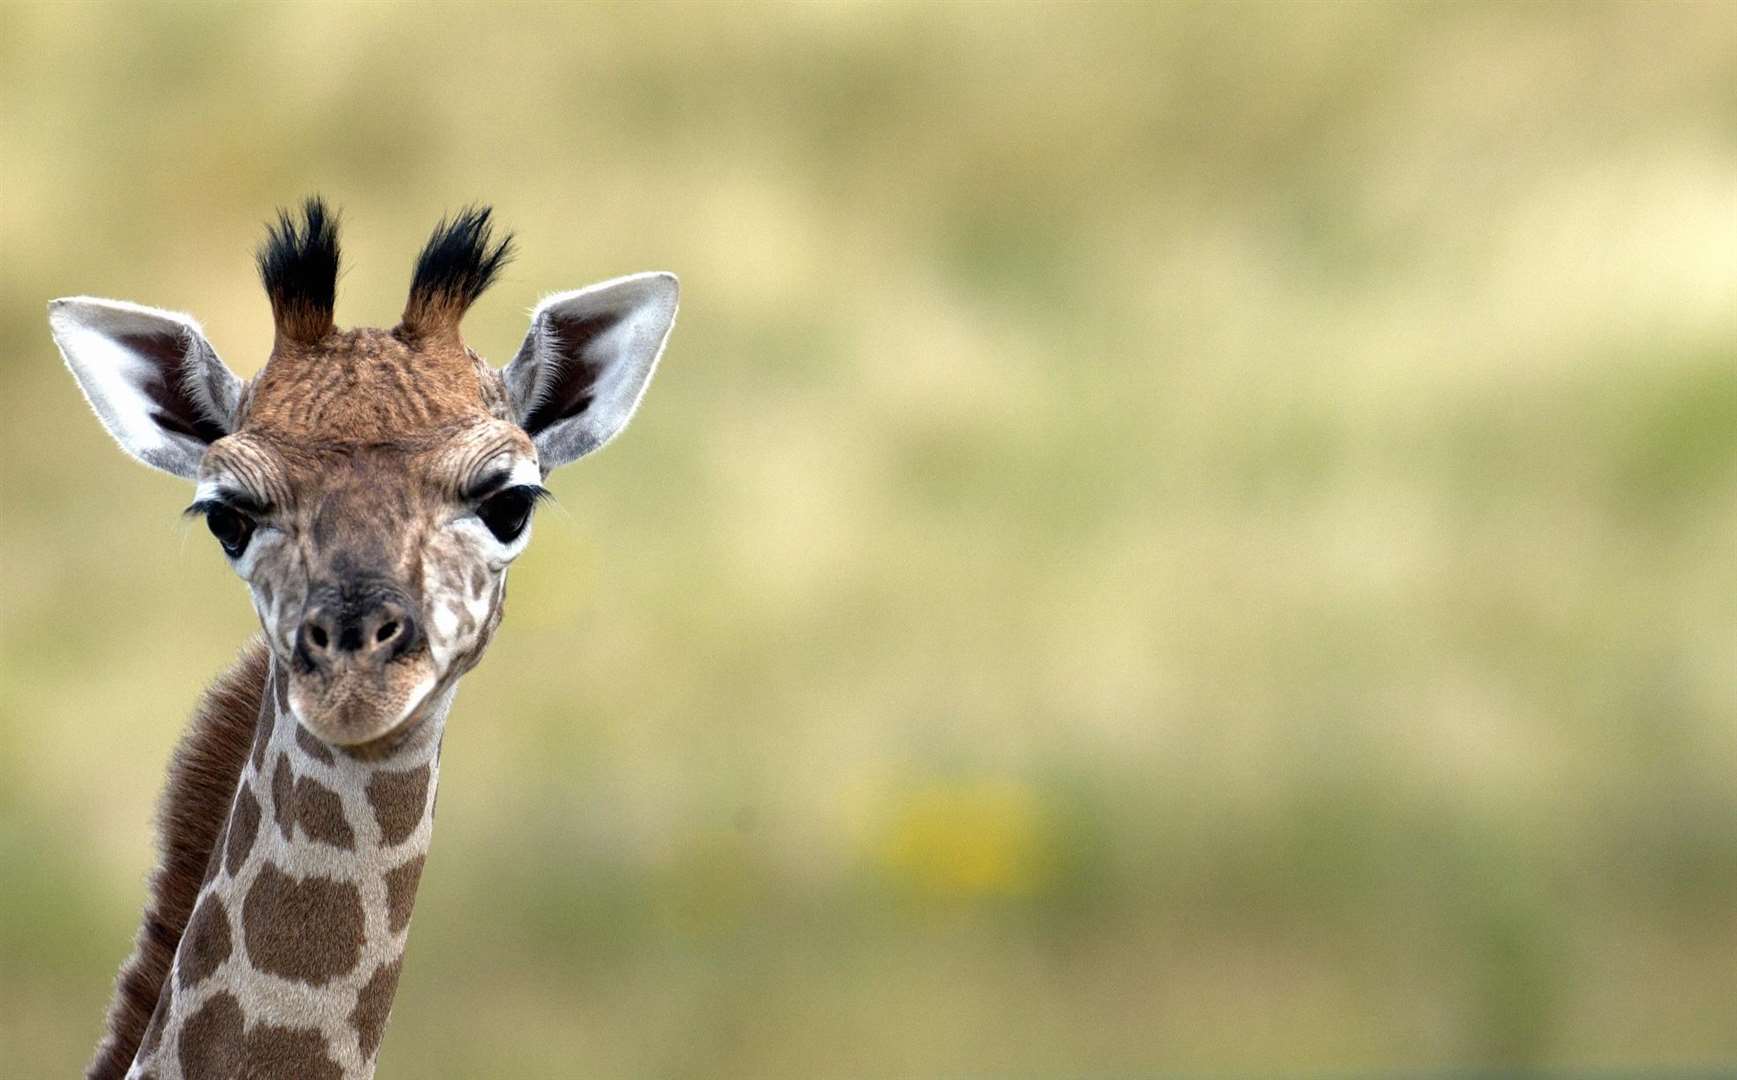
{"x":459,"y":262}
{"x":298,"y":263}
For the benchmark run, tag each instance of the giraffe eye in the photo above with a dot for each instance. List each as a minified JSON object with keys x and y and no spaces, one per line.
{"x":506,"y":513}
{"x":232,"y":528}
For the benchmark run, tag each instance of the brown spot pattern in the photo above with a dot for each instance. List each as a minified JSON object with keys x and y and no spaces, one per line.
{"x":215,"y":1045}
{"x":215,"y":861}
{"x":320,"y":813}
{"x":398,"y":799}
{"x":243,"y":830}
{"x":306,"y":802}
{"x":312,"y":746}
{"x":309,"y":930}
{"x":207,"y":943}
{"x":401,"y":893}
{"x":283,"y":796}
{"x":267,"y":725}
{"x":211,"y":1040}
{"x":374,"y":1006}
{"x":281,"y":1053}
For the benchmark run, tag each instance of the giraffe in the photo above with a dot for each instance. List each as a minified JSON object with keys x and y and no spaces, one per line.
{"x":371,"y":488}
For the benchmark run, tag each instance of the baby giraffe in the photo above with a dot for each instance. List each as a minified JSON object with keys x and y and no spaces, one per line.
{"x":371,"y":488}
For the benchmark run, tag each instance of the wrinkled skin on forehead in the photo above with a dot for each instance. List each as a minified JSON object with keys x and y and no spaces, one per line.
{"x":365,"y":454}
{"x":366,"y":385}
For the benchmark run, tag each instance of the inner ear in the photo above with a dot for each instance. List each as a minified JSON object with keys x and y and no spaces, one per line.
{"x":569,"y":384}
{"x":177,"y":398}
{"x":151,"y":377}
{"x":585,"y":363}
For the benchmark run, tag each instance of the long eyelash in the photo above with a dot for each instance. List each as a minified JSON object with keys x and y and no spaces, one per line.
{"x":201,"y":507}
{"x":537,"y":493}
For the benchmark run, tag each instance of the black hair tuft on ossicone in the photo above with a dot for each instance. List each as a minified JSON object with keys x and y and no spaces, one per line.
{"x":459,"y":262}
{"x":298,"y":263}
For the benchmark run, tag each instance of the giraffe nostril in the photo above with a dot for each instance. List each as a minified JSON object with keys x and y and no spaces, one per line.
{"x":369,"y":626}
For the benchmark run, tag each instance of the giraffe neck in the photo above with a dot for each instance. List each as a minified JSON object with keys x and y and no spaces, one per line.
{"x":290,"y":961}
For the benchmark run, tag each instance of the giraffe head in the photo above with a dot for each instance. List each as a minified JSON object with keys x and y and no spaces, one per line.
{"x":371,"y":486}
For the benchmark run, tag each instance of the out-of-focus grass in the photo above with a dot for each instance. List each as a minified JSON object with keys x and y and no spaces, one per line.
{"x":1167,"y":538}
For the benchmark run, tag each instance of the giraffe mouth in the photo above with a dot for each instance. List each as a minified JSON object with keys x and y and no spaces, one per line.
{"x":354,"y":708}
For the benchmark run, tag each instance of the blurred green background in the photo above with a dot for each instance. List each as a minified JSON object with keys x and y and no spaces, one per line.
{"x":1167,"y":538}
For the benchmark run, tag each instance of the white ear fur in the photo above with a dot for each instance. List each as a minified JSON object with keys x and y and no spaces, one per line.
{"x":586,"y":361}
{"x":150,"y":376}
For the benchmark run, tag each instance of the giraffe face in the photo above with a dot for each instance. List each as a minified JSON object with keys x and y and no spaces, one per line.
{"x":372,"y":486}
{"x":377,"y":567}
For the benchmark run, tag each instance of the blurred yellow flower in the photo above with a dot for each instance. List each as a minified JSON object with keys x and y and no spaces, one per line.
{"x":975,"y":838}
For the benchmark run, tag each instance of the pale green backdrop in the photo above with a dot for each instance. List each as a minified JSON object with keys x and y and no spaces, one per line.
{"x":1168,"y":538}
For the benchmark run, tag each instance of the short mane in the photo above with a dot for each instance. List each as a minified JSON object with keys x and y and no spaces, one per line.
{"x":458,"y":263}
{"x":299,"y":267}
{"x":203,"y":774}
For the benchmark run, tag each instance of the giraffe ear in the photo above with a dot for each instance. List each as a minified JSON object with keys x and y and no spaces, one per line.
{"x":151,"y":376}
{"x":586,"y":361}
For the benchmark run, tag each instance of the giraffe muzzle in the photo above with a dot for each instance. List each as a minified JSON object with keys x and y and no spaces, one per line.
{"x":358,"y":627}
{"x":360,"y":665}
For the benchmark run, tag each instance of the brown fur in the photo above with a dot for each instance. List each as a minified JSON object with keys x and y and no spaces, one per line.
{"x":364,"y":386}
{"x":203,"y":774}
